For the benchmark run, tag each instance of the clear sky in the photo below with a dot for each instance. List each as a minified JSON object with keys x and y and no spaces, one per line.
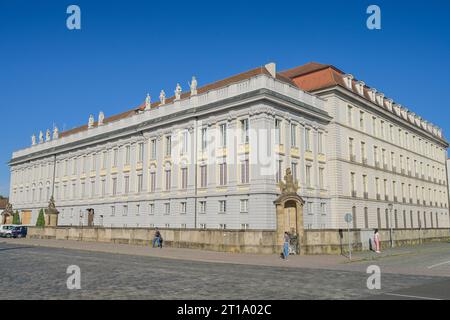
{"x":49,"y":74}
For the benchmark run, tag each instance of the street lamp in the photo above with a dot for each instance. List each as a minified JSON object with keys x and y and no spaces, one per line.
{"x":390,"y":206}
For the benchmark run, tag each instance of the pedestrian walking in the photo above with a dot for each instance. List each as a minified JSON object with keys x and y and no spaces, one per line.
{"x":157,"y":238}
{"x":376,"y":240}
{"x":287,"y":239}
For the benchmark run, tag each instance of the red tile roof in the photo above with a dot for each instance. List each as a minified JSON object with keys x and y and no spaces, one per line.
{"x":215,"y":85}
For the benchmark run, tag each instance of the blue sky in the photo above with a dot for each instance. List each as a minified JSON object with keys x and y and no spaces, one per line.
{"x":49,"y":74}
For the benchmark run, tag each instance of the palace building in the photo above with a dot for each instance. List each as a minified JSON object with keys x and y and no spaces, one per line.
{"x":212,"y":157}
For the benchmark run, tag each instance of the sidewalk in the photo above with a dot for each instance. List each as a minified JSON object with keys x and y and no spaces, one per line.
{"x":310,"y":261}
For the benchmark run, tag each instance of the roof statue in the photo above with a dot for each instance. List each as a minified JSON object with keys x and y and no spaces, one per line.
{"x":178,"y":92}
{"x":162,"y":97}
{"x":91,"y":121}
{"x":41,"y":137}
{"x":193,"y":86}
{"x":101,"y":118}
{"x":148,"y":102}
{"x":55,"y":133}
{"x":33,"y":140}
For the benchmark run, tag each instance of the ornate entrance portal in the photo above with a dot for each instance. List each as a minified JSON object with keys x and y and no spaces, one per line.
{"x":289,"y":211}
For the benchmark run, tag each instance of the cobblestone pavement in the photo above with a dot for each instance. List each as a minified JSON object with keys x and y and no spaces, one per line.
{"x":30,"y":272}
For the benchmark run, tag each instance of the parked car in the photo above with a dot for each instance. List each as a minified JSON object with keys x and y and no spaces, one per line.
{"x":19,"y":232}
{"x":6,"y":230}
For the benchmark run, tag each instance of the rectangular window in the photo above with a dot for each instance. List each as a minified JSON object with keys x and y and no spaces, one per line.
{"x":140,"y":152}
{"x":203,"y":176}
{"x":168,"y":146}
{"x":277,"y":131}
{"x":307,"y":139}
{"x":350,"y":116}
{"x":244,"y":206}
{"x":115,"y":157}
{"x":103,"y":188}
{"x":223,"y":135}
{"x":114,"y":186}
{"x":202,"y":206}
{"x":183,"y":207}
{"x":126,"y":185}
{"x":153,"y":150}
{"x":320,"y":142}
{"x":245,"y":176}
{"x":293,"y":135}
{"x":104,"y":159}
{"x":127,"y":155}
{"x":222,"y":206}
{"x":279,"y":172}
{"x":223,"y":174}
{"x":125,"y":210}
{"x":184,"y":142}
{"x":361,"y":120}
{"x":151,"y":208}
{"x":92,"y":189}
{"x":294,"y":170}
{"x":152,"y":181}
{"x":244,"y":131}
{"x":113,"y":211}
{"x":321,"y":180}
{"x":140,"y":182}
{"x":184,"y":178}
{"x":93,"y":162}
{"x":168,"y":179}
{"x":166,"y":208}
{"x":204,"y":139}
{"x":308,"y":176}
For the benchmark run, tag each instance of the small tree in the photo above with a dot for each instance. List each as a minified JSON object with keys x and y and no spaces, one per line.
{"x":40,"y":220}
{"x":16,"y":218}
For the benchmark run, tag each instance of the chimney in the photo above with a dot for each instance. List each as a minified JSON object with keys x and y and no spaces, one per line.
{"x":272,"y":68}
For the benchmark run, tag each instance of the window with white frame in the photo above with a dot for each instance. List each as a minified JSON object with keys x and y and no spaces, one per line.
{"x":320,"y":142}
{"x":115,"y":157}
{"x":168,"y":146}
{"x":202,"y":206}
{"x":293,"y":135}
{"x":183,"y":207}
{"x":223,"y":173}
{"x":223,"y":135}
{"x":152,"y":181}
{"x":140,"y":182}
{"x":308,"y":139}
{"x":204,"y":139}
{"x":151,"y":208}
{"x":114,"y":186}
{"x":244,"y":205}
{"x":184,"y":178}
{"x":168,"y":179}
{"x":278,"y":131}
{"x":294,"y":170}
{"x":244,"y":131}
{"x":153,"y":149}
{"x":245,"y":174}
{"x":279,"y":173}
{"x":127,"y":155}
{"x":222,"y":206}
{"x":125,"y":211}
{"x":308,"y":175}
{"x":184,"y":142}
{"x":166,"y":208}
{"x":203,"y":176}
{"x":126,"y":185}
{"x":113,"y":211}
{"x":141,"y":152}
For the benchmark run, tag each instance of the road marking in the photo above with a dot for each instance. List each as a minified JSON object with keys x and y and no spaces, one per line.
{"x":439,"y":264}
{"x":407,"y":296}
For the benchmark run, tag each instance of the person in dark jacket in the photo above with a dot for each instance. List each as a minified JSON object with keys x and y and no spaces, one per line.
{"x":157,"y":239}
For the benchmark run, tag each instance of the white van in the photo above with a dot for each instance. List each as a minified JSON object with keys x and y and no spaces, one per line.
{"x":5,"y":229}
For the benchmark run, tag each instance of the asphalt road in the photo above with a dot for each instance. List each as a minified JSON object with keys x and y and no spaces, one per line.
{"x":29,"y":272}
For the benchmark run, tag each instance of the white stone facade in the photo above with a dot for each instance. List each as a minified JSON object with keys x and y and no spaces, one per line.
{"x":117,"y":169}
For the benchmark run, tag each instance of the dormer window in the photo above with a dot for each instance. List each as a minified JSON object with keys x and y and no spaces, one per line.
{"x":380,"y":98}
{"x":372,"y":93}
{"x":348,"y":78}
{"x":360,"y":87}
{"x":389,"y":103}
